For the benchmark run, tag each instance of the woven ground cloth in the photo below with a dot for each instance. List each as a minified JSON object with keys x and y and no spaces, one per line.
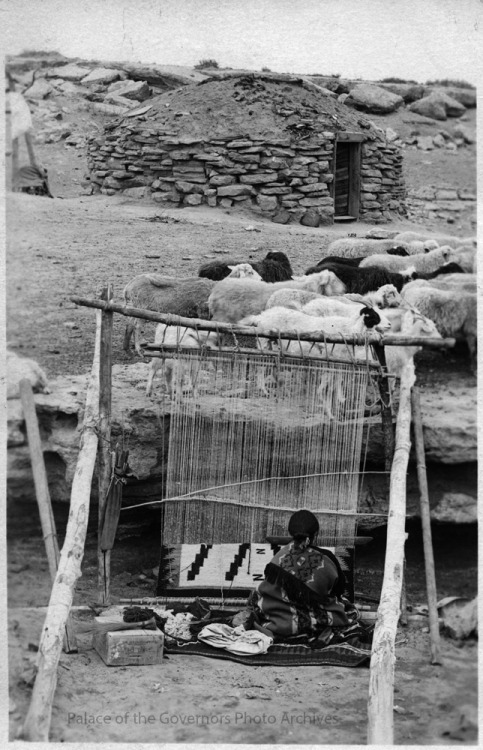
{"x":280,"y":654}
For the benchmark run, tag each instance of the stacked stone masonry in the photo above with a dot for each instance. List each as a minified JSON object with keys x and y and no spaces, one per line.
{"x":286,"y":179}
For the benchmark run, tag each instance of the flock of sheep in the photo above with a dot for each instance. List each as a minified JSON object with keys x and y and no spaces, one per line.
{"x":412,"y":284}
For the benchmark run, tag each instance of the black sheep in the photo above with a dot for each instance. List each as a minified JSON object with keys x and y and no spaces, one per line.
{"x":397,"y":251}
{"x":358,"y":281}
{"x":274,"y":267}
{"x":451,"y":267}
{"x":337,"y":259}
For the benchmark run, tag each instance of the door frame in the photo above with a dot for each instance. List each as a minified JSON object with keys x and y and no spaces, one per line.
{"x":355,"y":159}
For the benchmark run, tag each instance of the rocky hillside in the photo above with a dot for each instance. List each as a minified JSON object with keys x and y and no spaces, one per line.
{"x":434,"y":126}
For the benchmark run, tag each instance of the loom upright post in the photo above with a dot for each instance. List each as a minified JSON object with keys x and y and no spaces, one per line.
{"x":386,"y":411}
{"x":42,"y":494}
{"x":388,"y":432}
{"x":380,"y":705}
{"x":104,"y":450}
{"x":37,"y":723}
{"x":426,"y":527}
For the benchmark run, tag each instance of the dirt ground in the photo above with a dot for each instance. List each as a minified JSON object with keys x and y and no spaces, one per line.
{"x":75,"y":244}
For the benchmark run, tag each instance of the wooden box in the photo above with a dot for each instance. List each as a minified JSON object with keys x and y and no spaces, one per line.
{"x":129,"y":647}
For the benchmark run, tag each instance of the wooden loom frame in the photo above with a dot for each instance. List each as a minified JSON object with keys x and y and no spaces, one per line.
{"x":95,"y":438}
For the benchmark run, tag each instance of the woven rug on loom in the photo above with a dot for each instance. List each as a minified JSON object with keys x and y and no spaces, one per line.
{"x":280,"y":655}
{"x":225,"y":570}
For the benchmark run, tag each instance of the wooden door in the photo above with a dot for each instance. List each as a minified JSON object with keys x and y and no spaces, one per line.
{"x":347,"y":180}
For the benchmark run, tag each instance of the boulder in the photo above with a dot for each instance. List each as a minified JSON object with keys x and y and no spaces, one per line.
{"x":70,"y":88}
{"x":374,"y":99}
{"x":455,"y":507}
{"x":281,"y":217}
{"x":437,"y":106}
{"x":310,"y":218}
{"x":193,"y":199}
{"x":391,"y":135}
{"x":102,"y":75}
{"x":23,"y":368}
{"x":380,"y":234}
{"x":137,"y":90}
{"x":39,"y":89}
{"x":24,"y":79}
{"x":459,"y":615}
{"x":230,"y":191}
{"x":450,"y":424}
{"x":410,"y":92}
{"x":425,"y":142}
{"x":466,"y":97}
{"x":439,"y":140}
{"x":119,"y":100}
{"x":459,"y":131}
{"x":68,"y":72}
{"x":267,"y":202}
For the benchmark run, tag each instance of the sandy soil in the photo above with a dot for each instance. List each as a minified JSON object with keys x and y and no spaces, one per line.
{"x":73,"y":245}
{"x":233,"y":703}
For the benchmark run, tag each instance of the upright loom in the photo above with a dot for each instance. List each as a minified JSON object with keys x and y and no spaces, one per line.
{"x":257,"y":436}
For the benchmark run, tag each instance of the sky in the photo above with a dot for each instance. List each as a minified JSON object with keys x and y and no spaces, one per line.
{"x":415,"y":39}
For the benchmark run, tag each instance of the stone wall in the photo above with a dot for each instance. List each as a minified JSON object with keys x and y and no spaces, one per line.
{"x":287,"y":179}
{"x":449,"y":203}
{"x":382,"y":185}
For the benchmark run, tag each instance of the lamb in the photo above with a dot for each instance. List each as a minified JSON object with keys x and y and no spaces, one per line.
{"x":386,"y":296}
{"x":183,"y":337}
{"x":243,"y":271}
{"x":454,"y":313}
{"x":20,"y":368}
{"x":231,"y":300}
{"x":426,"y":263}
{"x":352,"y":247}
{"x":362,"y":280}
{"x":441,"y":239}
{"x":274,"y":267}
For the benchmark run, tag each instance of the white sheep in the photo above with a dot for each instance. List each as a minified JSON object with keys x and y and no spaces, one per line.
{"x":449,"y":281}
{"x":405,"y":321}
{"x":234,"y":299}
{"x":412,"y":323}
{"x":454,"y":313}
{"x":357,"y":247}
{"x":441,"y":239}
{"x":465,"y":256}
{"x":20,"y":368}
{"x":420,"y":246}
{"x":282,"y":319}
{"x":182,"y":337}
{"x":423,"y":263}
{"x":292,"y":298}
{"x":243,"y":271}
{"x":386,"y":296}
